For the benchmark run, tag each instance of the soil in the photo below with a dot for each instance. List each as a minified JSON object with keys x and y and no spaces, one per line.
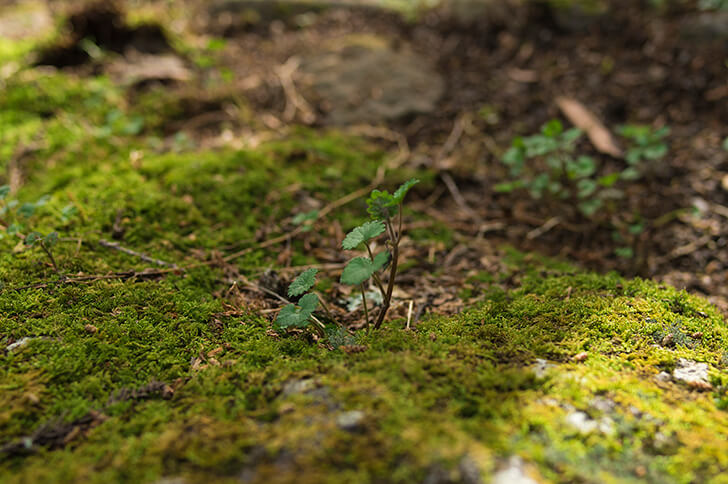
{"x":628,"y":64}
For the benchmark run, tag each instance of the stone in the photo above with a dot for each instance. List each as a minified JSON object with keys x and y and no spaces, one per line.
{"x":469,"y":471}
{"x":692,"y":373}
{"x":365,"y":81}
{"x":541,"y":367}
{"x":18,"y":344}
{"x":297,"y":387}
{"x":706,"y":27}
{"x":514,"y":472}
{"x":663,"y":376}
{"x":582,"y":422}
{"x":351,"y":421}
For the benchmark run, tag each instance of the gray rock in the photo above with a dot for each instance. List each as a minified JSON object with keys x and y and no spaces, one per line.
{"x":469,"y":471}
{"x":706,"y":27}
{"x":18,"y":344}
{"x":351,"y":421}
{"x":576,"y":18}
{"x":603,"y":404}
{"x":471,"y":12}
{"x":582,"y":422}
{"x":663,"y":376}
{"x":171,"y":480}
{"x":513,"y":473}
{"x":691,"y":372}
{"x":366,"y":81}
{"x":541,"y":367}
{"x":234,"y":15}
{"x":297,"y":387}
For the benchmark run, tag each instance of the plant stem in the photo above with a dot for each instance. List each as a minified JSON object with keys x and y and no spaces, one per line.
{"x":376,"y":278}
{"x":364,"y":302}
{"x":50,"y":256}
{"x":392,"y":276}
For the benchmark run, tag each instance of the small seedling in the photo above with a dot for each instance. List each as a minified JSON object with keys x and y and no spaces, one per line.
{"x":385,"y":210}
{"x":14,"y":218}
{"x":545,"y":166}
{"x":646,"y":146}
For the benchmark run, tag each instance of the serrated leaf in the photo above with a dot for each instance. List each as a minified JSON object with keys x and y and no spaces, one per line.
{"x":32,"y":238}
{"x":401,"y":192}
{"x":381,"y":205}
{"x":26,"y":210}
{"x":309,"y":303}
{"x":288,"y":317}
{"x":51,"y":239}
{"x":4,"y":191}
{"x":357,"y":271}
{"x":363,"y":233}
{"x":380,"y":260}
{"x":302,"y":283}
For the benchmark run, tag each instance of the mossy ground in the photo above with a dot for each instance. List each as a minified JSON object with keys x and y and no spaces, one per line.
{"x":240,"y":403}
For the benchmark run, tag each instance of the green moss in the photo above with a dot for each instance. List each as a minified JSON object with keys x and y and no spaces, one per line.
{"x":238,"y":402}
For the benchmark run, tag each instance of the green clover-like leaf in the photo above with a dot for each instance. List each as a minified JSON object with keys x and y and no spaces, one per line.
{"x":309,"y":303}
{"x":401,"y":192}
{"x":303,"y":282}
{"x":26,"y":210}
{"x":380,"y":260}
{"x":51,"y":239}
{"x":290,"y":316}
{"x":4,"y":191}
{"x":363,"y":233}
{"x":381,"y":205}
{"x":357,"y":271}
{"x":32,"y":238}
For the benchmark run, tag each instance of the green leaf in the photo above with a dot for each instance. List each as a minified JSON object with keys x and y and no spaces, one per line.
{"x":624,"y":252}
{"x":609,"y":180}
{"x":552,"y":129}
{"x":288,"y":317}
{"x":589,"y":207}
{"x":51,"y":239}
{"x":584,"y":167}
{"x":586,"y":187}
{"x":303,"y":282}
{"x":381,"y":205}
{"x":32,"y":238}
{"x":362,"y":234}
{"x":26,"y":210}
{"x":305,"y":217}
{"x":308,"y":303}
{"x":401,"y":192}
{"x":380,"y":260}
{"x":5,"y":190}
{"x":14,"y":229}
{"x":630,"y":174}
{"x":506,"y":187}
{"x":357,"y":271}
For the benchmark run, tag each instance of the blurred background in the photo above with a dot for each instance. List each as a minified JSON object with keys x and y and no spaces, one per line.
{"x":592,"y":130}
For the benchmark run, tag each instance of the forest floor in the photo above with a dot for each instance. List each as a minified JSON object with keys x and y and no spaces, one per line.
{"x":193,"y":166}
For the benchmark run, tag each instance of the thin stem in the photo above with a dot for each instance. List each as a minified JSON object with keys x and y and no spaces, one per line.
{"x":50,"y":256}
{"x":399,"y":230}
{"x":326,"y":308}
{"x":392,"y":276}
{"x":364,"y":302}
{"x":376,"y":278}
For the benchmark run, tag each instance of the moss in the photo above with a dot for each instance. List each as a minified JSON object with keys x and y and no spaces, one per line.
{"x":133,"y":380}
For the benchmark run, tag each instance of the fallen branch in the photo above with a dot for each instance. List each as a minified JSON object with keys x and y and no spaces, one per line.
{"x":144,"y":257}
